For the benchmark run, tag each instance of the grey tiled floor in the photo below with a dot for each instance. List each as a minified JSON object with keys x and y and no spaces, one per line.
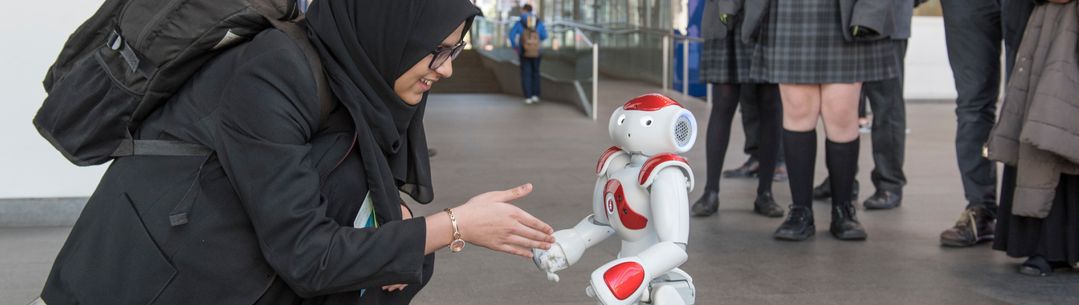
{"x":489,"y":142}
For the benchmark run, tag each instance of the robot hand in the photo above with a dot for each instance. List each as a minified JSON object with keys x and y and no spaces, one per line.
{"x":550,"y":261}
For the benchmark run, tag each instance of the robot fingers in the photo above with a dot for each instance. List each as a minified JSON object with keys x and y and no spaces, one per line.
{"x":550,"y":260}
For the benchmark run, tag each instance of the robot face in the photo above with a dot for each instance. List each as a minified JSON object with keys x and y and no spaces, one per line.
{"x":653,"y":124}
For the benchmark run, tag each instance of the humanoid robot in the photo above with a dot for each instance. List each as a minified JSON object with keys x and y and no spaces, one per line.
{"x":641,"y":195}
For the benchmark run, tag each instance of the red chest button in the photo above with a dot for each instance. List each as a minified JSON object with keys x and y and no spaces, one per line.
{"x":616,"y":204}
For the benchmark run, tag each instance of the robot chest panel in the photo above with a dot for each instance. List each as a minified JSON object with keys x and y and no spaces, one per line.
{"x":625,"y":201}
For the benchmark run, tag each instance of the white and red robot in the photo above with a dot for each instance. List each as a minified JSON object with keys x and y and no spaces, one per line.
{"x":641,"y":195}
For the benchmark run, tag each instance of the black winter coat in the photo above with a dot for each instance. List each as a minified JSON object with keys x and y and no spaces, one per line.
{"x":266,"y":219}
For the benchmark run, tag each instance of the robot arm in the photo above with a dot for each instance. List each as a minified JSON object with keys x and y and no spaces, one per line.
{"x":670,"y":206}
{"x":624,"y":280}
{"x":570,"y":245}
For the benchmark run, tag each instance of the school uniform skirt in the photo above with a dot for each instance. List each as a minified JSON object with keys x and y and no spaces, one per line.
{"x":727,"y":60}
{"x":802,"y":42}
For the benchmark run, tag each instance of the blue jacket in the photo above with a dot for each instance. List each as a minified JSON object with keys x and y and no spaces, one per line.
{"x":518,"y":28}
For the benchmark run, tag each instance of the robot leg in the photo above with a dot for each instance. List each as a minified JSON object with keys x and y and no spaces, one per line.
{"x":673,"y":288}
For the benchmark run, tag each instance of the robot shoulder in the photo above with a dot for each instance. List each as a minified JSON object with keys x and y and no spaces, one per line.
{"x":657,"y":163}
{"x":610,"y":158}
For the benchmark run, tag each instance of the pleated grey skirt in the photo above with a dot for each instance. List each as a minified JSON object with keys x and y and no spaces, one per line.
{"x":802,"y":42}
{"x":727,"y":61}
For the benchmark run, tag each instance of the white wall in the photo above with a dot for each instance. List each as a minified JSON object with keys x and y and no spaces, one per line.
{"x":33,"y":32}
{"x":928,"y":74}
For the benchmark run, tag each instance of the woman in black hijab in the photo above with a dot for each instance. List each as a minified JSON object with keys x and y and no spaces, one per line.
{"x":299,"y":203}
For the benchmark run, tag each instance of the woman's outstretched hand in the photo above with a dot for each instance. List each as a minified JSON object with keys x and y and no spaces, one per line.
{"x":490,"y":221}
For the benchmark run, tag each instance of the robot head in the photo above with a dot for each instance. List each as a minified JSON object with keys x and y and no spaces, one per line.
{"x":653,"y":124}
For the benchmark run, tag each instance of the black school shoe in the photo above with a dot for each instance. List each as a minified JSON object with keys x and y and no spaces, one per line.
{"x":845,"y":225}
{"x":747,"y":170}
{"x":883,"y":200}
{"x":823,"y":191}
{"x":798,"y":226}
{"x":766,"y":205}
{"x":707,"y":205}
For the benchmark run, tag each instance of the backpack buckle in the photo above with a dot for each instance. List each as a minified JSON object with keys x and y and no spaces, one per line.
{"x":114,"y":41}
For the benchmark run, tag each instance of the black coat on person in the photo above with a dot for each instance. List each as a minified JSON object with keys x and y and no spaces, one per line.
{"x":267,"y":217}
{"x":260,"y":213}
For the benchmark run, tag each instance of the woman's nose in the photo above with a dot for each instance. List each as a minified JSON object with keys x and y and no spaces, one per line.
{"x":446,"y":69}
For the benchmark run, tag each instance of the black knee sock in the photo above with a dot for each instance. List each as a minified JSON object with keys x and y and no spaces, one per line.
{"x":724,"y":104}
{"x":842,"y":162}
{"x":800,"y":148}
{"x":767,"y":134}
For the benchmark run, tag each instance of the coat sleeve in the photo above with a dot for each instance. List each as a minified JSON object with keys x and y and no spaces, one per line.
{"x":876,"y":15}
{"x":266,"y":119}
{"x":711,"y":25}
{"x":514,"y":32}
{"x":542,"y":29}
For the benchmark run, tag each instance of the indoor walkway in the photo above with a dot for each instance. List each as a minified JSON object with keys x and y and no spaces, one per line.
{"x":491,"y":142}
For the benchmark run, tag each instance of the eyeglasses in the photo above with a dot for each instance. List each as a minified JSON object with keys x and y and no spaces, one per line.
{"x":442,"y":54}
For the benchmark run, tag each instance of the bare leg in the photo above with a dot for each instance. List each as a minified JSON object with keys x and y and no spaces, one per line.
{"x":839,"y":109}
{"x":801,"y":110}
{"x":840,"y":112}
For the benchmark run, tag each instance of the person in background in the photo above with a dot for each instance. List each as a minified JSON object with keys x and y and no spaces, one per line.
{"x":888,"y":127}
{"x":526,"y":36}
{"x":820,"y":60}
{"x":1034,"y":221}
{"x":973,"y":34}
{"x":750,"y":111}
{"x":725,"y":63}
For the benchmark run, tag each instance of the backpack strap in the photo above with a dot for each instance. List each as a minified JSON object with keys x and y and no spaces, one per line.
{"x":133,"y":147}
{"x":293,"y":29}
{"x":129,"y":147}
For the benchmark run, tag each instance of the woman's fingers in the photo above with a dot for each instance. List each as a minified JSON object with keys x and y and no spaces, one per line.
{"x":510,"y":194}
{"x":515,"y":250}
{"x":527,"y":243}
{"x":532,"y":233}
{"x":395,"y":287}
{"x":534,"y":223}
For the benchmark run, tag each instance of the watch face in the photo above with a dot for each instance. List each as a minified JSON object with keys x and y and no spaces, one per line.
{"x":456,"y":245}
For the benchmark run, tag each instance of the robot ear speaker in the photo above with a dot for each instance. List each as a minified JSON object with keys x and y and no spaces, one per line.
{"x":683,"y":131}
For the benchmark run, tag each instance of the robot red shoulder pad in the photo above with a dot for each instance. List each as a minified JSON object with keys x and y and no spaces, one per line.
{"x":605,"y":160}
{"x":661,"y":161}
{"x":650,"y":102}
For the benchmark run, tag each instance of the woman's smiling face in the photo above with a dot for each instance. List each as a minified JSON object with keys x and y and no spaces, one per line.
{"x":411,"y":86}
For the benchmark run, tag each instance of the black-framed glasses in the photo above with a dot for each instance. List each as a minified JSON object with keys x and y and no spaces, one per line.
{"x":442,"y":54}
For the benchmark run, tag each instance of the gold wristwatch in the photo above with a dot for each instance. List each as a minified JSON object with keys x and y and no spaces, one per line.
{"x":457,"y":244}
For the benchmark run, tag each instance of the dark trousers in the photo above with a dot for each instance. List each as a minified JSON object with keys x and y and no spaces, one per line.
{"x":889,"y":127}
{"x":973,"y":34}
{"x":530,"y":76}
{"x":749,"y":107}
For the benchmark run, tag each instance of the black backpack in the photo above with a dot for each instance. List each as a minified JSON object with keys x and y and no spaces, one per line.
{"x":133,"y":55}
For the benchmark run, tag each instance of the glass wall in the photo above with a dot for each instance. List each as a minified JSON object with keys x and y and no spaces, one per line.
{"x":629,"y":33}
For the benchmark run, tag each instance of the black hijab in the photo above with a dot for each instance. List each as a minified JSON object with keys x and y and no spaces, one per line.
{"x":365,"y":45}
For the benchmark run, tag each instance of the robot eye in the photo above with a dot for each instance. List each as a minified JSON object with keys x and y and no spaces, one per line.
{"x":621,"y":119}
{"x":647,"y":121}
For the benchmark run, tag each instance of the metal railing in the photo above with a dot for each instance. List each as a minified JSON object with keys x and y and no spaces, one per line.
{"x":570,"y":55}
{"x":685,"y":41}
{"x":637,"y":53}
